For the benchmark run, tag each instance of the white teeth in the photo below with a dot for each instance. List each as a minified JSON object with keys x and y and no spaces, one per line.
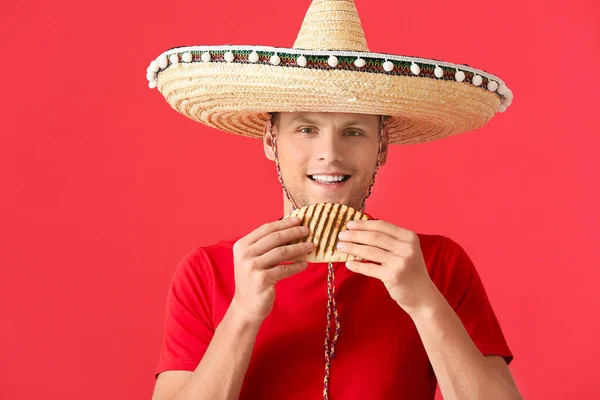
{"x":328,"y":178}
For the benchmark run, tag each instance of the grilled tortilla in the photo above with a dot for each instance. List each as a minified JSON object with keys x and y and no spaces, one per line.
{"x":326,"y":221}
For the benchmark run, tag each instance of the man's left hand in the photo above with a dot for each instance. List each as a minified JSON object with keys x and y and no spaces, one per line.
{"x":402,"y":267}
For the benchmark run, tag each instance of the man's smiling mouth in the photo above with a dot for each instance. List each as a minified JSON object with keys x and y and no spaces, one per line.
{"x":329,"y":179}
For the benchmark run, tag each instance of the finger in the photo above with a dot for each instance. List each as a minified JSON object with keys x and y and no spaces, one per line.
{"x":367,"y":269}
{"x":371,"y":238}
{"x":286,"y":270}
{"x":267,"y":228}
{"x":366,"y":252}
{"x":276,"y":239}
{"x":292,"y":252}
{"x":385,"y":227}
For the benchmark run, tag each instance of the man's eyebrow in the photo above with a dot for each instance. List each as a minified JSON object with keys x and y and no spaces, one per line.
{"x":355,"y":123}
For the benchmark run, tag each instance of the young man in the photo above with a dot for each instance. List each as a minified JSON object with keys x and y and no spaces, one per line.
{"x":244,"y":318}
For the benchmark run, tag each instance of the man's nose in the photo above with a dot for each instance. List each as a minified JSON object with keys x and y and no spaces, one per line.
{"x":329,"y":148}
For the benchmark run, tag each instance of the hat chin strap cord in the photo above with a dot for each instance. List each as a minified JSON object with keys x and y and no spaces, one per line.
{"x":332,"y":312}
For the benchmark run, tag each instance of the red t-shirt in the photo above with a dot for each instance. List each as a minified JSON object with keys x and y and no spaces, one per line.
{"x":379,"y":354}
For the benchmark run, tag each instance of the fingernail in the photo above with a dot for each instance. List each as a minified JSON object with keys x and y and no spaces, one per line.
{"x":341,"y":245}
{"x":351,"y":224}
{"x":343,"y":235}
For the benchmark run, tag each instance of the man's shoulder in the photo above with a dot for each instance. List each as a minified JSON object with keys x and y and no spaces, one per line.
{"x":448,"y":263}
{"x":209,"y":253}
{"x":442,"y":252}
{"x":221,"y":246}
{"x":203,"y":261}
{"x":433,"y":243}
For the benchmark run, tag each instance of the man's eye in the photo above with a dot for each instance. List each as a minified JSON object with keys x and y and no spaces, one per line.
{"x":353,"y":133}
{"x":305,"y":130}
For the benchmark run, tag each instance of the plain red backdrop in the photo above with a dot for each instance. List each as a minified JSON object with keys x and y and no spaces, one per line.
{"x":105,"y":188}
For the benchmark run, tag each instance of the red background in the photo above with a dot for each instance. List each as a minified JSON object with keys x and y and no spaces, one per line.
{"x":105,"y":188}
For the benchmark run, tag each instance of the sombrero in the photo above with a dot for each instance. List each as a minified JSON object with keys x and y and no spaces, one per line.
{"x":329,"y":69}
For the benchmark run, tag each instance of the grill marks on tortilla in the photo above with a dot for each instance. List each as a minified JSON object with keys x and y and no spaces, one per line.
{"x":331,"y":231}
{"x":326,"y":221}
{"x":321,"y":219}
{"x":336,"y":226}
{"x":350,"y":214}
{"x":313,"y":218}
{"x":329,"y":211}
{"x":300,"y":213}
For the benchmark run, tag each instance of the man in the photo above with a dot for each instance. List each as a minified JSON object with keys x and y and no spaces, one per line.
{"x":244,"y":318}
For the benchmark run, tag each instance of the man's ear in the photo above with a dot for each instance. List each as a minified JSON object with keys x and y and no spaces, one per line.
{"x":385,"y":144}
{"x":268,"y":141}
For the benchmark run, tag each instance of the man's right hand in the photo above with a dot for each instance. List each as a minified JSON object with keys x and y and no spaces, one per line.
{"x":257,"y":257}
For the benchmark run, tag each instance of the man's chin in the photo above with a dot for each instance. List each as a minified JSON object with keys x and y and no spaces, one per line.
{"x":335,"y":200}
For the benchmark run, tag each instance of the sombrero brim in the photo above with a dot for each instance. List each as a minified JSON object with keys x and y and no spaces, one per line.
{"x":233,"y":88}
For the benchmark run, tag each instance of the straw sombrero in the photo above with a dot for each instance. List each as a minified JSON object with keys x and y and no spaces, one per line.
{"x":329,"y":69}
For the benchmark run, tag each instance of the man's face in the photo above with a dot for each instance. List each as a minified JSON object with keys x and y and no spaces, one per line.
{"x":327,"y":157}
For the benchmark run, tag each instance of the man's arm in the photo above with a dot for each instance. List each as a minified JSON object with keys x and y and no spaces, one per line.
{"x":463,"y":373}
{"x":221,"y":372}
{"x":258,"y":259}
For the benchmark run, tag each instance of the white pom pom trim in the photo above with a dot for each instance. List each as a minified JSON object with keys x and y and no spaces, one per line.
{"x":253,"y":57}
{"x":388,"y":66}
{"x":229,"y":57}
{"x":332,"y":61}
{"x":163,"y":62}
{"x":492,"y":86}
{"x":438,"y":71}
{"x":205,"y":57}
{"x":275,"y":60}
{"x":301,"y":61}
{"x":150,"y":76}
{"x":477,"y":80}
{"x":154,"y":66}
{"x":501,"y":108}
{"x":459,"y":76}
{"x":415,"y":69}
{"x":186,"y":57}
{"x":174,"y":58}
{"x":502,"y":89}
{"x":152,"y":84}
{"x":507,"y":101}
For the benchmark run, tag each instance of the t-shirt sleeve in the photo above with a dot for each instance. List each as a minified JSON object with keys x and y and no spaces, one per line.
{"x":189,"y":326}
{"x":465,"y":292}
